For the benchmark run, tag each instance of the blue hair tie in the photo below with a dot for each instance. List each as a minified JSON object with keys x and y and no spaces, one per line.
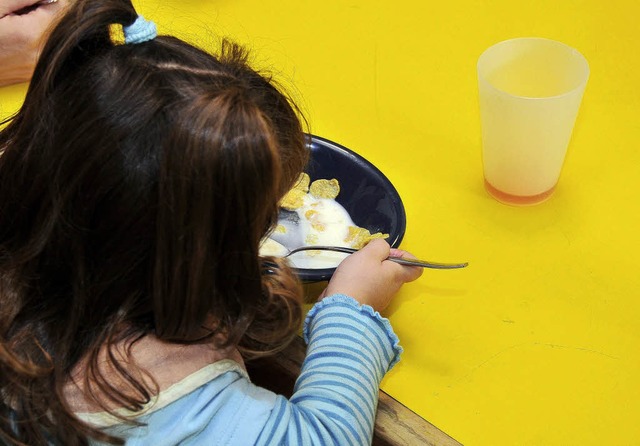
{"x":140,"y":31}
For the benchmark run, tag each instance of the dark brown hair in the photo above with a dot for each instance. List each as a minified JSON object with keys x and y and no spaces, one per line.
{"x":136,"y":183}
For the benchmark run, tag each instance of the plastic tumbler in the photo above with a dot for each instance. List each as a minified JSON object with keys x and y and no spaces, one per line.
{"x":530,"y":92}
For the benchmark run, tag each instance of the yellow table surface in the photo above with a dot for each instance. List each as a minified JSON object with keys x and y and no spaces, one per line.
{"x":537,"y":341}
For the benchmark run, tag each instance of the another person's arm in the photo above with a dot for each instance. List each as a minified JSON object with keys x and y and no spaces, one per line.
{"x":23,"y":28}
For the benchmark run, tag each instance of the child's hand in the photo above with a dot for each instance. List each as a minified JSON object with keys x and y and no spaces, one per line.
{"x":371,"y":279}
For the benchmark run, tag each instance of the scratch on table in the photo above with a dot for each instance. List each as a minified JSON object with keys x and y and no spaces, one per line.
{"x":489,"y":359}
{"x":540,"y":344}
{"x":582,"y":349}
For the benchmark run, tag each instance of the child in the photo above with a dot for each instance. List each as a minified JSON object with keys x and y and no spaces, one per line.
{"x":136,"y":183}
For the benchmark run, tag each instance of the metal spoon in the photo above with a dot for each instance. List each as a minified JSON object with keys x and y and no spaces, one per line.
{"x":400,"y":260}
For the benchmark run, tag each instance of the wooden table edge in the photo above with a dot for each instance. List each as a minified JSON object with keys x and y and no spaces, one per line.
{"x":395,"y":423}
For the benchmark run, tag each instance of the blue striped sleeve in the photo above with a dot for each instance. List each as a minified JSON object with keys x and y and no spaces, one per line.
{"x":350,"y":348}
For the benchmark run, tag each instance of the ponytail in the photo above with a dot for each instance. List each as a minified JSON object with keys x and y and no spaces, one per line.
{"x":83,"y":33}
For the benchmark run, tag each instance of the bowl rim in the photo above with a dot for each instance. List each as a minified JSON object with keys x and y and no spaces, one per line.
{"x":309,"y":275}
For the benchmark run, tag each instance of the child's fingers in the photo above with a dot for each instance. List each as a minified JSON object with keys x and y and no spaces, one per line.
{"x":395,"y":252}
{"x":407,"y":273}
{"x":380,"y":249}
{"x":411,"y":273}
{"x":377,"y":248}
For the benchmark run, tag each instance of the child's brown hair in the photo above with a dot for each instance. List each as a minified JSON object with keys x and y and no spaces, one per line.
{"x":136,"y":183}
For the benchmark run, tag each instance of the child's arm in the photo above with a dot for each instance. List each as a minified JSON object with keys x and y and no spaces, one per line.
{"x":335,"y":398}
{"x":351,"y":347}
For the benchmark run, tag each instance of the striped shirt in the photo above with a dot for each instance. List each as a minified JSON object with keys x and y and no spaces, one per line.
{"x":350,"y":348}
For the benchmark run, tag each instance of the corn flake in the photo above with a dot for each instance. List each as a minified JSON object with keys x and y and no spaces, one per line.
{"x":358,"y":237}
{"x":302,"y":182}
{"x":311,"y":239}
{"x":325,"y":188}
{"x":294,"y":199}
{"x":314,"y":218}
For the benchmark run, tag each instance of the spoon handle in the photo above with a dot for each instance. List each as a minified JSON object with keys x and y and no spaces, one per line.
{"x":422,"y":263}
{"x":400,"y":260}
